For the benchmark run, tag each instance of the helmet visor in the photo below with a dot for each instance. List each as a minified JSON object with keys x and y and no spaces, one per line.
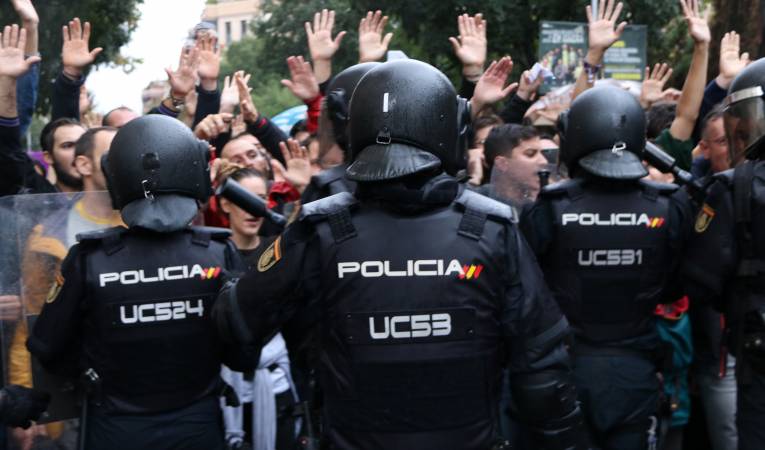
{"x":744,"y":124}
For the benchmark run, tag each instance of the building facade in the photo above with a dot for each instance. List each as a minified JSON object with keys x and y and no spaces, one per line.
{"x":231,"y":18}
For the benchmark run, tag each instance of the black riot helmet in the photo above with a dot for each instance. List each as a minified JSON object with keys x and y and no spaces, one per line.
{"x":338,"y":98}
{"x":744,"y":113}
{"x":603,"y":133}
{"x":405,"y":117}
{"x":157,"y":170}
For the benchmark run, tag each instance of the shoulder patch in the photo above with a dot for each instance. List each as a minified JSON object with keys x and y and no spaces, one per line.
{"x":704,"y":218}
{"x":271,"y":255}
{"x":55,"y":289}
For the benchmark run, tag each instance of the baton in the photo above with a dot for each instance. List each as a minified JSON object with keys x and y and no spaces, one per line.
{"x":667,"y":164}
{"x":236,"y":194}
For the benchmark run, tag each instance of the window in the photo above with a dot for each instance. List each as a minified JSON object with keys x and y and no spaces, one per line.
{"x":228,"y":32}
{"x":244,"y":28}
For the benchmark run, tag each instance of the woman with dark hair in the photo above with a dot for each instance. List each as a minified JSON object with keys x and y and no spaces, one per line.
{"x":268,"y":390}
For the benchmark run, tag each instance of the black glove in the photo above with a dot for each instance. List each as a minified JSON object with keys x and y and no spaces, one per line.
{"x":20,"y":405}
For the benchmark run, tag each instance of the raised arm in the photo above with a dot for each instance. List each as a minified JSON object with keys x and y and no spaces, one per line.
{"x":321,"y":44}
{"x":372,"y":44}
{"x":470,"y":45}
{"x":693,"y":88}
{"x":603,"y":32}
{"x":76,"y":56}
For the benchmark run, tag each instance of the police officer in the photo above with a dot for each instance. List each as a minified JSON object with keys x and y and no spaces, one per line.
{"x":609,"y":245}
{"x":725,"y":258}
{"x":333,"y":133}
{"x":422,"y":289}
{"x":133,"y":305}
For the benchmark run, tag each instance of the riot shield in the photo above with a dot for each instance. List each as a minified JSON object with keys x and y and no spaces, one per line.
{"x":37,"y":232}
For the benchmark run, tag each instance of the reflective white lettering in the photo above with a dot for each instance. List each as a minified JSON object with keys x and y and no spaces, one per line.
{"x":419,"y":326}
{"x":372,"y":269}
{"x":395,"y":332}
{"x":376,"y":334}
{"x":442,"y":324}
{"x":347,"y":267}
{"x":161,"y":312}
{"x":419,"y":271}
{"x":613,"y":219}
{"x":108,"y":278}
{"x":610,"y":257}
{"x":129,"y":277}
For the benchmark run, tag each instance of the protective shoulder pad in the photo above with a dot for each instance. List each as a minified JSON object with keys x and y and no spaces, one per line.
{"x":725,"y":177}
{"x":325,"y":177}
{"x":661,"y":188}
{"x":469,"y":200}
{"x":100,"y":235}
{"x":328,"y":205}
{"x":562,"y":188}
{"x":218,"y":234}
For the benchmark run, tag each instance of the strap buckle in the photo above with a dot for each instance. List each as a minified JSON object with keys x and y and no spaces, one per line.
{"x":146,"y":191}
{"x":618,"y":148}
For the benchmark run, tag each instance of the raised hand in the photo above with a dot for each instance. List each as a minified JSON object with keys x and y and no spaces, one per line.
{"x":491,"y":87}
{"x":320,"y":42}
{"x":12,"y":62}
{"x":603,"y":31}
{"x":653,"y":84}
{"x":697,"y":25}
{"x":731,"y":62}
{"x":75,"y":53}
{"x":470,"y":45}
{"x":527,"y":88}
{"x":302,"y":84}
{"x":372,"y":44}
{"x":248,"y":111}
{"x":182,"y":81}
{"x":229,"y":95}
{"x":298,"y":171}
{"x":213,"y":125}
{"x":209,"y":61}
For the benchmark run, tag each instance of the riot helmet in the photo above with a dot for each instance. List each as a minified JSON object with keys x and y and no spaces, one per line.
{"x":744,"y":113}
{"x":338,"y":98}
{"x":603,"y":133}
{"x":405,"y":118}
{"x":156,"y":171}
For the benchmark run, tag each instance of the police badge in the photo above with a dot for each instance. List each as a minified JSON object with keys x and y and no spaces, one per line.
{"x":271,"y":256}
{"x":704,"y":218}
{"x":55,"y":289}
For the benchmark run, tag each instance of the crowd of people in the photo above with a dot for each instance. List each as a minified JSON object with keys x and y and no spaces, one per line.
{"x":632,"y":373}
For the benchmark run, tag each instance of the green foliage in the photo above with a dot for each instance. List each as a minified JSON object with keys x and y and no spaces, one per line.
{"x":113,"y":22}
{"x":422,"y":27}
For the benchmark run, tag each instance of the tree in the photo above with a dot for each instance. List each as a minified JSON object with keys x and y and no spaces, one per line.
{"x":743,"y":16}
{"x":113,"y":22}
{"x":422,"y":27}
